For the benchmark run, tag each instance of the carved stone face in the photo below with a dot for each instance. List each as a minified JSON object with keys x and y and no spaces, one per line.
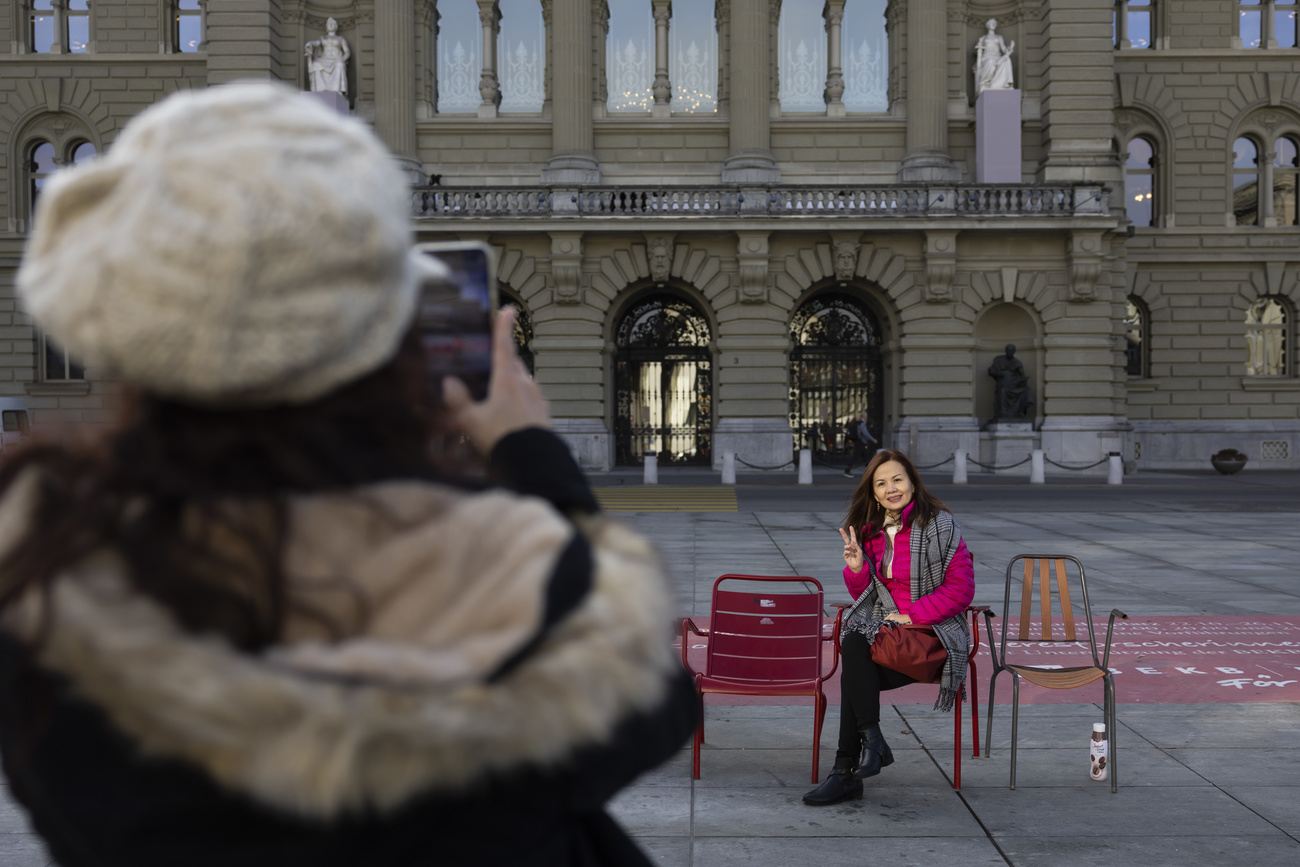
{"x":846,"y":260}
{"x":660,"y":262}
{"x":991,"y":24}
{"x":331,"y":27}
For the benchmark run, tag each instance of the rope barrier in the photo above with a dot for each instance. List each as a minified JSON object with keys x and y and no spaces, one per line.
{"x":1064,"y":467}
{"x":1007,"y":467}
{"x":941,"y":463}
{"x":757,"y":467}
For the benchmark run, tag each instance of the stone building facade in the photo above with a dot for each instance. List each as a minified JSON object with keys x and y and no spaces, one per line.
{"x":733,"y":225}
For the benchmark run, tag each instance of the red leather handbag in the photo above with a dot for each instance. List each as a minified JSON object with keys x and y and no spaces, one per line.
{"x":912,"y":650}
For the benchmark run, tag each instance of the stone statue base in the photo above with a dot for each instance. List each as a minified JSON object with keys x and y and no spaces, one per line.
{"x":333,"y":101}
{"x":1007,"y":442}
{"x":997,"y":137}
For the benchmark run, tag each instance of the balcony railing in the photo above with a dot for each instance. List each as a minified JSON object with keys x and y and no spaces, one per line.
{"x":888,"y":200}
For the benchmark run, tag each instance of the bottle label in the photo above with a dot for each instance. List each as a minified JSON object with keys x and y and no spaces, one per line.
{"x":1100,"y":758}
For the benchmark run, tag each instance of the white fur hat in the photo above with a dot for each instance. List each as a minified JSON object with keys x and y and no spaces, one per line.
{"x":237,"y":246}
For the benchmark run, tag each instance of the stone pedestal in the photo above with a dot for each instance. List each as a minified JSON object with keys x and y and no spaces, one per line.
{"x":335,"y":102}
{"x":997,"y":137}
{"x":588,"y":440}
{"x":1007,"y":443}
{"x":763,"y":442}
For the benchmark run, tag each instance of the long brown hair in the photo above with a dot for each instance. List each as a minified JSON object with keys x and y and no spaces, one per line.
{"x":156,"y":492}
{"x":866,"y":512}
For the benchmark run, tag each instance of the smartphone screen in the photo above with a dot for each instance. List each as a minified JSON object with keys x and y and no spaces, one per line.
{"x":455,"y":316}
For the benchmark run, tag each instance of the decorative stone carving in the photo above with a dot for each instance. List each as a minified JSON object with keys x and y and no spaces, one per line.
{"x":846,"y":260}
{"x":940,"y":266}
{"x":755,"y":274}
{"x":659,"y":253}
{"x":566,"y":267}
{"x":327,"y":60}
{"x":993,"y":61}
{"x":1085,"y":267}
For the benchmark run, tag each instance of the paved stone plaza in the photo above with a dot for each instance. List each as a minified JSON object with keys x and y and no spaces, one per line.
{"x":1203,"y":781}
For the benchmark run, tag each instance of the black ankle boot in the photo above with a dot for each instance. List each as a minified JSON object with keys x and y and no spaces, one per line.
{"x":839,"y":786}
{"x":875,"y":753}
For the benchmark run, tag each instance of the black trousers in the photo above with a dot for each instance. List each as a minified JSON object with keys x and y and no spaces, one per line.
{"x":861,"y":452}
{"x":861,"y":682}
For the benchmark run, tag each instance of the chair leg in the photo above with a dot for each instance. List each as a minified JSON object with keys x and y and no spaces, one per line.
{"x":988,"y":729}
{"x":698,"y":740}
{"x":819,"y":717}
{"x":1112,"y":730}
{"x":974,"y":709}
{"x":956,"y":744}
{"x":1015,"y":725}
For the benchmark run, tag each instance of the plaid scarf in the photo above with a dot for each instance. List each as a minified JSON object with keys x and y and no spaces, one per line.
{"x":932,"y":550}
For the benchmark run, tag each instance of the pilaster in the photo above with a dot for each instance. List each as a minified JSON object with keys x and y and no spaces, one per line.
{"x":926,"y":159}
{"x":394,"y":83}
{"x":750,"y":160}
{"x":573,"y":160}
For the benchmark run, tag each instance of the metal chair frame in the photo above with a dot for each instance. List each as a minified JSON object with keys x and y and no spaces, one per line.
{"x":734,"y":657}
{"x":1052,"y":678}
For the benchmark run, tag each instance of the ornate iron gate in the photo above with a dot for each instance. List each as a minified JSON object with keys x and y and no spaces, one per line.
{"x":836,"y":371}
{"x":663,"y":381}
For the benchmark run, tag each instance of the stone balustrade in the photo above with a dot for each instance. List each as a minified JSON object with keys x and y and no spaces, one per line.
{"x":885,"y":200}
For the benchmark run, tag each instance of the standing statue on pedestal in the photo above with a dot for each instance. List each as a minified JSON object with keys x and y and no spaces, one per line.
{"x":1011,"y":396}
{"x":327,"y":61}
{"x":993,"y":61}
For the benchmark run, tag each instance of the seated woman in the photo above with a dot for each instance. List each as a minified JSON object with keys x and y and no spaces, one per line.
{"x":910,"y":567}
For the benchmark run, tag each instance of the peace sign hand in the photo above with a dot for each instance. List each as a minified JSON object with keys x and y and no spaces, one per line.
{"x":852,"y":550}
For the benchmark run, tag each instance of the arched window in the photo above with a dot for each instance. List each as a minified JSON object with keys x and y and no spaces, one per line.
{"x":1245,"y":181}
{"x":693,"y":58}
{"x":40,"y":165}
{"x":1267,"y":338}
{"x":630,"y":57}
{"x":1139,"y":181}
{"x":801,"y":56}
{"x":663,"y":383}
{"x":1134,"y":24}
{"x":521,"y":56}
{"x":836,"y":371}
{"x":1286,"y":165}
{"x":460,"y":41}
{"x":864,"y":54}
{"x":1137,"y":322}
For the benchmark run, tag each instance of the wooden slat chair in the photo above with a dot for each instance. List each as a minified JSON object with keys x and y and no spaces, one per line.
{"x":764,"y":639}
{"x":1051,"y":568}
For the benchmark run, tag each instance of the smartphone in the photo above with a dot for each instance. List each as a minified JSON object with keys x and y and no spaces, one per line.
{"x":455,"y":316}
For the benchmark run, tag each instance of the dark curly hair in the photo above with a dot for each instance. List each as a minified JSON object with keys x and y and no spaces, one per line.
{"x":156,"y":491}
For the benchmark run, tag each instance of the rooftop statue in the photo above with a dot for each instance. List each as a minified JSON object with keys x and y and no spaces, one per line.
{"x":327,"y":60}
{"x":993,"y":61}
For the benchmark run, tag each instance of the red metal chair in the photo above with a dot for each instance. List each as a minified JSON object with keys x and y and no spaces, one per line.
{"x":764,"y":640}
{"x":971,"y":687}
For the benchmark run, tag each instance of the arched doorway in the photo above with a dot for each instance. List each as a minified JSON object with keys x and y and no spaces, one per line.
{"x":663,"y":381}
{"x":836,"y":371}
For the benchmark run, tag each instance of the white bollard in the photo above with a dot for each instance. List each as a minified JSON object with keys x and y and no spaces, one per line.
{"x":728,"y":468}
{"x":805,"y":466}
{"x":1036,"y":467}
{"x":959,"y":467}
{"x":1115,"y":476}
{"x":651,"y":469}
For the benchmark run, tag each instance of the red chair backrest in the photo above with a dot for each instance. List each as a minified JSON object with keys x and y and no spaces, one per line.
{"x":766,"y":636}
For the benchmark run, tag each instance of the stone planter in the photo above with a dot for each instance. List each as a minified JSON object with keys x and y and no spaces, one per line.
{"x":1228,"y":464}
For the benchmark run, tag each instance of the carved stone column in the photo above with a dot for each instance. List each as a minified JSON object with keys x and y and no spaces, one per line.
{"x":750,"y":160}
{"x":833,"y":13}
{"x":722,"y":15}
{"x":926,"y":158}
{"x":662,"y":88}
{"x":549,"y":45}
{"x":489,"y":16}
{"x":573,"y":161}
{"x":394,"y":83}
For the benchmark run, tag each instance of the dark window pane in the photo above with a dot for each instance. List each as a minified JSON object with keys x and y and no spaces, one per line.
{"x":1140,"y":202}
{"x":42,"y":33}
{"x":1245,"y":199}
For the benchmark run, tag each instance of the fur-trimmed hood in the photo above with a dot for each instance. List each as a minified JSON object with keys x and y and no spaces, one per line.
{"x":453,"y":584}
